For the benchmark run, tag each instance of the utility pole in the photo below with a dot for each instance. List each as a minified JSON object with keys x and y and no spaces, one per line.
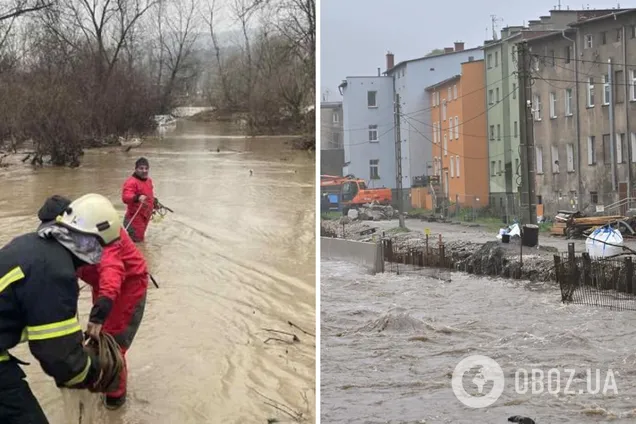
{"x":526,"y":133}
{"x":398,"y":161}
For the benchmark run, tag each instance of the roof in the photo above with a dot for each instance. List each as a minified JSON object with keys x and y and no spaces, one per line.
{"x":431,"y":57}
{"x":610,"y":15}
{"x":442,"y":83}
{"x":548,"y":35}
{"x":330,"y":105}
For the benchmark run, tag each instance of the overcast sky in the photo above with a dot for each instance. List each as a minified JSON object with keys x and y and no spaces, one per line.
{"x":356,"y":34}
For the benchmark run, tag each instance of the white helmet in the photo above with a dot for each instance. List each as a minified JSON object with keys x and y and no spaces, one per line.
{"x":92,"y":214}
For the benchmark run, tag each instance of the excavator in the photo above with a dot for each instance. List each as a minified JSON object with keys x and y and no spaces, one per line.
{"x":353,"y":191}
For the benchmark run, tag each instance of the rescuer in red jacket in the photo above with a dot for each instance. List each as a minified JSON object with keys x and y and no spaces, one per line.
{"x":138,"y":195}
{"x":119,"y":284}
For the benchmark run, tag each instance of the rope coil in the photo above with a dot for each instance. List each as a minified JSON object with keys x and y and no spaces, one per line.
{"x":111,"y":360}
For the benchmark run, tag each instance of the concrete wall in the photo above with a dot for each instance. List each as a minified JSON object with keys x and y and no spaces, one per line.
{"x":368,"y":255}
{"x":358,"y":150}
{"x":331,"y":161}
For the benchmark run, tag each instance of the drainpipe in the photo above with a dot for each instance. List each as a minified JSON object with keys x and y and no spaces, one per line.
{"x":628,"y":134}
{"x":577,"y":118}
{"x":610,"y":78}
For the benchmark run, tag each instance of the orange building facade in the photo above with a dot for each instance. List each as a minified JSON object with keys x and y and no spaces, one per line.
{"x":460,"y":139}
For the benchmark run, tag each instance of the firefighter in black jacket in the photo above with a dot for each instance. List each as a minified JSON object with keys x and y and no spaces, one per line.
{"x":38,"y":304}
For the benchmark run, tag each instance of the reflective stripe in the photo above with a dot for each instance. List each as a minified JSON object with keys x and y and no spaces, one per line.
{"x":4,"y":356}
{"x":56,"y":329}
{"x":81,"y":376}
{"x":10,"y":277}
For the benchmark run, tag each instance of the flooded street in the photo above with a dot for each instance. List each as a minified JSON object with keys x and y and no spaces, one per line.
{"x":390,"y":344}
{"x":237,"y":256}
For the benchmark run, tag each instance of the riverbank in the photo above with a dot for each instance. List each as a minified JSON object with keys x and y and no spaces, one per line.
{"x":475,"y":250}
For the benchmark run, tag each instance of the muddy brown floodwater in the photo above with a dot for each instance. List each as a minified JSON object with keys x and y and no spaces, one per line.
{"x":237,"y":256}
{"x":389,"y":345}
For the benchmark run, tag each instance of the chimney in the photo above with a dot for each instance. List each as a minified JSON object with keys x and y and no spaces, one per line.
{"x":390,"y":60}
{"x":459,"y":46}
{"x":379,"y":72}
{"x":448,"y":49}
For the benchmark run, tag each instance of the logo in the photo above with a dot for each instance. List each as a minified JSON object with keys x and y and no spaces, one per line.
{"x":485,"y":372}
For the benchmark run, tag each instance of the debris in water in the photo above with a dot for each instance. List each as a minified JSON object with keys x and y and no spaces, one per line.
{"x":295,"y":326}
{"x":251,"y":172}
{"x":294,"y":337}
{"x":521,"y":420}
{"x":296,"y":416}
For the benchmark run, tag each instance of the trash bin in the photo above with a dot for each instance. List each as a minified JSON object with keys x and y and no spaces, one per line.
{"x":505,"y":238}
{"x":530,"y":235}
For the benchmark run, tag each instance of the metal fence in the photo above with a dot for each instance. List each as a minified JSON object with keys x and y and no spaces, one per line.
{"x":606,"y":282}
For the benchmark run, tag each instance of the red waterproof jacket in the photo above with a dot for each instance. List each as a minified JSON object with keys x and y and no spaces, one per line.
{"x":132,"y":189}
{"x":122,"y":265}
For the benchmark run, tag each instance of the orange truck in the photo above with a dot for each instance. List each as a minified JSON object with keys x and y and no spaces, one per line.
{"x":353,"y":191}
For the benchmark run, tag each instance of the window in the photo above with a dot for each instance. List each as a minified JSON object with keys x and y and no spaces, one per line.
{"x":632,"y":85}
{"x":455,"y":91}
{"x":591,"y":150}
{"x":500,"y":168}
{"x":514,"y":90}
{"x":606,"y":149}
{"x":517,"y":169}
{"x":492,"y":169}
{"x":515,"y":129}
{"x":537,"y":107}
{"x":457,"y":166}
{"x":593,"y":197}
{"x":590,"y":92}
{"x":451,"y":128}
{"x":555,"y":159}
{"x":619,"y":33}
{"x":606,"y":90}
{"x":588,"y":41}
{"x":450,"y":94}
{"x":538,"y":152}
{"x":492,"y":132}
{"x":604,"y":37}
{"x":497,"y":95}
{"x":452,"y":167}
{"x":457,"y":128}
{"x":444,"y":110}
{"x":490,"y":61}
{"x":633,"y":140}
{"x":496,"y":59}
{"x":445,"y":144}
{"x":491,"y":97}
{"x":552,"y":57}
{"x":335,"y":140}
{"x":569,"y":151}
{"x":498,"y":131}
{"x":372,"y":98}
{"x":620,"y":139}
{"x":619,"y":87}
{"x":434,"y":132}
{"x":514,"y":53}
{"x":568,"y":102}
{"x":568,"y":54}
{"x":633,"y":31}
{"x":552,"y":105}
{"x":336,"y":118}
{"x":373,"y":133}
{"x":374,"y":172}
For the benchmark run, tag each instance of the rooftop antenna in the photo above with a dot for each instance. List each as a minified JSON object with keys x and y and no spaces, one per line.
{"x":325,"y":95}
{"x":494,"y":19}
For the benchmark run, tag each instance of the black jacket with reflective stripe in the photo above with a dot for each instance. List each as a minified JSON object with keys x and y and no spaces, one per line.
{"x":39,"y":292}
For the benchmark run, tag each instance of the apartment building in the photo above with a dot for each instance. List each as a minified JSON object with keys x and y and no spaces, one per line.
{"x":368,"y":108}
{"x":460,"y":140}
{"x":503,"y":103}
{"x":584,"y":148}
{"x":331,"y":138}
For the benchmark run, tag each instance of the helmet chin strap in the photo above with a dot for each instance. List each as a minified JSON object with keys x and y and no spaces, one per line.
{"x":85,"y":247}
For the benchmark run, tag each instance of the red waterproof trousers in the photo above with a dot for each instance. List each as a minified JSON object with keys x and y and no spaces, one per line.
{"x":122,"y":279}
{"x":138,"y":213}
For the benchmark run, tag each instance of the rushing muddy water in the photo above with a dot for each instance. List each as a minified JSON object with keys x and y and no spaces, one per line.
{"x":237,"y":256}
{"x":390,"y":344}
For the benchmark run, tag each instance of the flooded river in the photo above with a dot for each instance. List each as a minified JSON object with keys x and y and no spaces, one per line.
{"x":237,"y":256}
{"x":390,"y":344}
